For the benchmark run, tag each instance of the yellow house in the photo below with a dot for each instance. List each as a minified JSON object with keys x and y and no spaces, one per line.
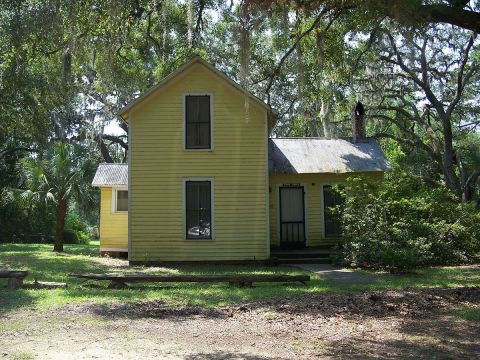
{"x":112,"y":179}
{"x":206,"y":183}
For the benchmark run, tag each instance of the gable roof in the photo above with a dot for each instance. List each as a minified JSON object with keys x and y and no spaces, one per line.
{"x":316,"y":155}
{"x":111,"y":175}
{"x":197,"y":60}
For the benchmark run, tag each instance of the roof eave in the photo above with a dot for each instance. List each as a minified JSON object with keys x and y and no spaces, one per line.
{"x":124,"y":112}
{"x":108,"y":185}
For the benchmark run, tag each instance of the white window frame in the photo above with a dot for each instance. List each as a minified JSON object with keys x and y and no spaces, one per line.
{"x":184,"y":123}
{"x":114,"y":199}
{"x":212,"y":205}
{"x":331,"y":183}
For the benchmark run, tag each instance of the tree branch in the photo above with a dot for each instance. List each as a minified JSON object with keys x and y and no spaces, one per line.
{"x":461,"y":80}
{"x":115,"y":139}
{"x":472,"y":178}
{"x":452,"y":13}
{"x":277,"y":69}
{"x":4,"y":152}
{"x":149,"y":33}
{"x":425,"y":87}
{"x":441,"y":13}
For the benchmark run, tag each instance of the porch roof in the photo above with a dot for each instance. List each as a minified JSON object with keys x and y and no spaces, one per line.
{"x":318,"y":155}
{"x":111,"y":175}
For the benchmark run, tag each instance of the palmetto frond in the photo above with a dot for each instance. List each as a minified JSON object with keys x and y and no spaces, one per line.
{"x":59,"y":173}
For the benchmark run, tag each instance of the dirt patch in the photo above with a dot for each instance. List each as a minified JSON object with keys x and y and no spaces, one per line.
{"x":371,"y":325}
{"x":376,"y":304}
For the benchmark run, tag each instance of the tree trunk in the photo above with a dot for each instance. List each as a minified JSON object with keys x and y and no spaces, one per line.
{"x":104,"y":150}
{"x":469,"y":186}
{"x":325,"y":115}
{"x":451,"y":179}
{"x":60,"y":225}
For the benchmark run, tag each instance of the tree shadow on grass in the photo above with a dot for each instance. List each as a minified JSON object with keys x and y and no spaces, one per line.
{"x":222,"y":355}
{"x":434,"y":336}
{"x":447,"y":276}
{"x":155,"y":310}
{"x":11,"y":300}
{"x":69,"y":249}
{"x":42,"y":266}
{"x":375,"y":305}
{"x":51,"y":267}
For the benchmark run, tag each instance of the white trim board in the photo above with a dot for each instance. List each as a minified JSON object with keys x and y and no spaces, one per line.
{"x":129,"y":217}
{"x":114,"y":249}
{"x":113,"y":208}
{"x":267,"y":190}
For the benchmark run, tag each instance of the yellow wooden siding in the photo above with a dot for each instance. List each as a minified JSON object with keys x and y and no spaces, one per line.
{"x":113,"y":226}
{"x":158,"y":165}
{"x":313,"y":203}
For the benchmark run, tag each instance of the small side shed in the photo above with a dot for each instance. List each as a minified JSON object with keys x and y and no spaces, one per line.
{"x":112,"y":179}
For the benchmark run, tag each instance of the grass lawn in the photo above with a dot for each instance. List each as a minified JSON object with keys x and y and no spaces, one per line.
{"x":45,"y":265}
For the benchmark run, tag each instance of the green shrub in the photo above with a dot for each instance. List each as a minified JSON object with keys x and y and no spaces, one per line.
{"x":399,"y":225}
{"x":83,"y":238}
{"x":76,"y":237}
{"x":76,"y":230}
{"x":70,"y":237}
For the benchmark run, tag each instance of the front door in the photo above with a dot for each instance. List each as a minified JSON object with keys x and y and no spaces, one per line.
{"x":292,"y":217}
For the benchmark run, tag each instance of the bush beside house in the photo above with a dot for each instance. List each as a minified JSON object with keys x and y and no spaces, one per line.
{"x":400,"y":224}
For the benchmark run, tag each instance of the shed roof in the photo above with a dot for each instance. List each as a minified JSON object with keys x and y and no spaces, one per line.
{"x":291,"y":156}
{"x":111,"y":175}
{"x":317,"y":155}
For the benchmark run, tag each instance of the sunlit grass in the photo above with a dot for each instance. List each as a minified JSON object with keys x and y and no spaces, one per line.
{"x":45,"y":265}
{"x":468,"y":313}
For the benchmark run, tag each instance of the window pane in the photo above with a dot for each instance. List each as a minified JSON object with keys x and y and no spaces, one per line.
{"x":191,"y":196}
{"x":203,"y":134}
{"x":203,"y":109}
{"x":198,"y":209}
{"x":192,"y":224}
{"x":197,"y":122}
{"x":122,"y":200}
{"x":204,"y":195}
{"x":205,"y":223}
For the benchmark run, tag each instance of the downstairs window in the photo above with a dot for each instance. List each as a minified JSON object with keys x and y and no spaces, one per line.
{"x":198,"y":209}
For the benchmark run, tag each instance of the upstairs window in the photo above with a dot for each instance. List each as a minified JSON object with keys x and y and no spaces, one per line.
{"x":121,"y":201}
{"x":197,"y":122}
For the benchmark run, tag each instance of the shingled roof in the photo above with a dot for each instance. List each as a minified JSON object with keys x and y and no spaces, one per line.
{"x":111,"y":175}
{"x":291,"y":156}
{"x":317,"y":155}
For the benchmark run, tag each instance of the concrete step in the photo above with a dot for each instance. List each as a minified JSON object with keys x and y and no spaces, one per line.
{"x":321,"y":260}
{"x":301,"y":255}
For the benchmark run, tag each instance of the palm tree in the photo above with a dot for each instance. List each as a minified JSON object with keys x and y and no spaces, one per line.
{"x":57,"y":176}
